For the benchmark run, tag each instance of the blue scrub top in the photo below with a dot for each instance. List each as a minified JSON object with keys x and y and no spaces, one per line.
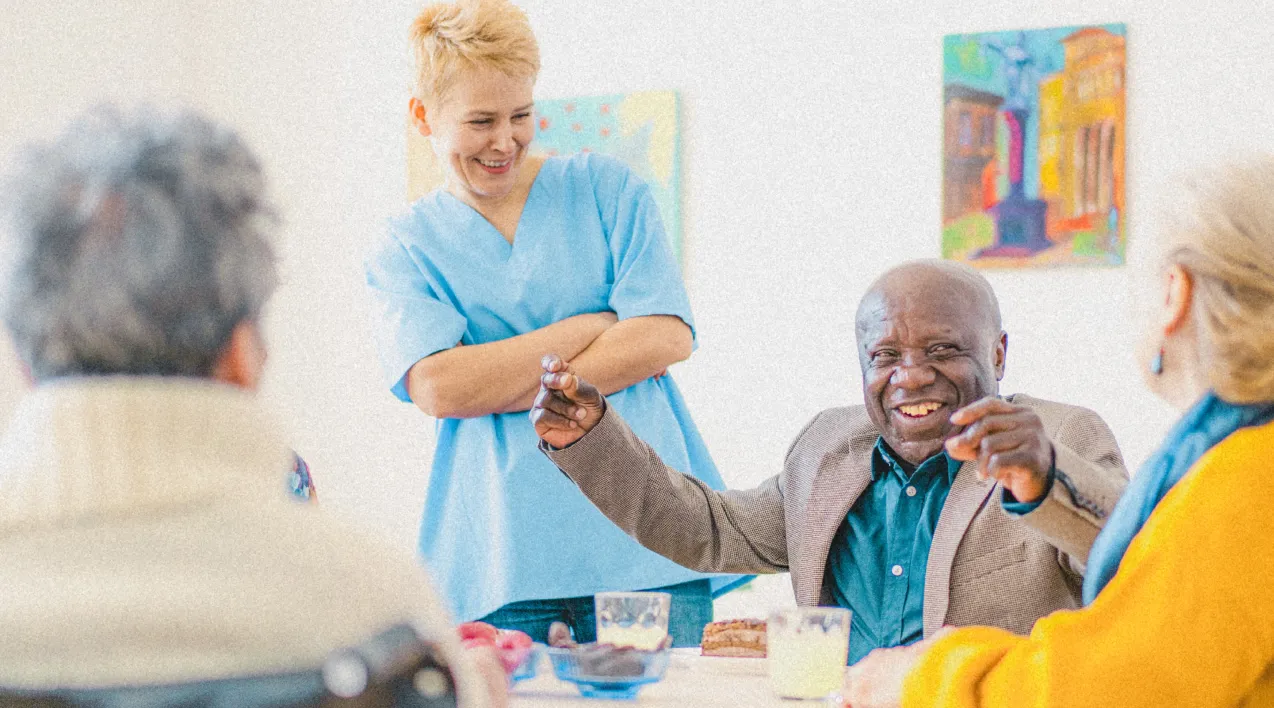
{"x":501,"y":523}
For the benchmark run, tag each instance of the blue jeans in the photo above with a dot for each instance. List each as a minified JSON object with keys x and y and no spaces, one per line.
{"x":690,"y":610}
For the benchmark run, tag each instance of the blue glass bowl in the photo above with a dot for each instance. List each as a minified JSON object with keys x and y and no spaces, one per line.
{"x":528,"y":666}
{"x":628,"y":673}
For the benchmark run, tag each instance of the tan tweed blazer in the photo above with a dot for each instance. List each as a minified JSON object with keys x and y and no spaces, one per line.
{"x":985,"y":567}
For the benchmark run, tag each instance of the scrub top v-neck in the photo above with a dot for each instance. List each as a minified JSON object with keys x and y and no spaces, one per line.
{"x":501,"y":524}
{"x":500,"y":245}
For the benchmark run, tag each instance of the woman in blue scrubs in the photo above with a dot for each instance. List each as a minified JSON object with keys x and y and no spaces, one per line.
{"x":470,"y":294}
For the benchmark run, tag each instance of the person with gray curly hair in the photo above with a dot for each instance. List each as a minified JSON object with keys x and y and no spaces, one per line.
{"x":157,"y":228}
{"x":146,"y":537}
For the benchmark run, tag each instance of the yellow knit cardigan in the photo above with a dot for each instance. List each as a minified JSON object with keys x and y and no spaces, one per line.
{"x":1188,"y":620}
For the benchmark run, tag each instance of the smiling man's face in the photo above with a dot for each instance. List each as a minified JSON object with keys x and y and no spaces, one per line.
{"x":929,"y":344}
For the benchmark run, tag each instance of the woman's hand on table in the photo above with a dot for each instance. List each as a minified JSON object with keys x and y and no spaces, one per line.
{"x":567,"y":407}
{"x":876,"y":680}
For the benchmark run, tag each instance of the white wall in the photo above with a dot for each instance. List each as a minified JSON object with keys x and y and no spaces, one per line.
{"x":812,"y":161}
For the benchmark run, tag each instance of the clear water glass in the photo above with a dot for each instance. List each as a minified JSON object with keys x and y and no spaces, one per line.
{"x":632,"y":619}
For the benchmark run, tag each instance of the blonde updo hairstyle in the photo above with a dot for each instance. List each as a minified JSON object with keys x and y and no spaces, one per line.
{"x":1224,"y":238}
{"x":449,"y":38}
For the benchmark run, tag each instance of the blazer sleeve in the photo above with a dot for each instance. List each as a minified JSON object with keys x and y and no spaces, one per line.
{"x":1184,"y":622}
{"x":671,"y":513}
{"x":1090,"y":477}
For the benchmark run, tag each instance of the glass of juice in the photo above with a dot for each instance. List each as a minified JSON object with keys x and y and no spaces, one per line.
{"x":632,"y":619}
{"x":807,"y":650}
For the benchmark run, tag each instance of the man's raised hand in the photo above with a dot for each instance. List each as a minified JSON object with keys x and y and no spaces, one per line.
{"x":1009,"y":444}
{"x":566,"y":407}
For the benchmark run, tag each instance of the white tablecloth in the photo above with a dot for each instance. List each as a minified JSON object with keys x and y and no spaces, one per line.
{"x":692,"y":680}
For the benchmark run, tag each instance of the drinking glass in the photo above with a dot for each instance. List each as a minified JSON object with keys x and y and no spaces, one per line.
{"x":807,"y":650}
{"x":632,"y":619}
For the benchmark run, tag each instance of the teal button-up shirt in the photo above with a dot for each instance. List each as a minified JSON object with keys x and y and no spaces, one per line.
{"x":876,"y":565}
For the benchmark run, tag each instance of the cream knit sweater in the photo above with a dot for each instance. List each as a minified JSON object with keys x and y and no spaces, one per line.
{"x":146,"y":536}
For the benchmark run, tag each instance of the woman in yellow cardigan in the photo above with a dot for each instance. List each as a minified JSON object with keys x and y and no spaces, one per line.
{"x":1179,"y":590}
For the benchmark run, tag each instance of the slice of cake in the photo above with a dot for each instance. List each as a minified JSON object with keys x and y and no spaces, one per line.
{"x":739,"y":637}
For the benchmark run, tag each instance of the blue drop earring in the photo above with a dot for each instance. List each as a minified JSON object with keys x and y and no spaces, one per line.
{"x":1156,"y":364}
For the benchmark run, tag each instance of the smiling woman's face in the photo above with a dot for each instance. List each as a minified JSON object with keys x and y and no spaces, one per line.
{"x":926,"y":349}
{"x":482,"y":131}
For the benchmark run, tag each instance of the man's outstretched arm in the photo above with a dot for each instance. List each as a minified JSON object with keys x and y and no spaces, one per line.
{"x":671,"y":513}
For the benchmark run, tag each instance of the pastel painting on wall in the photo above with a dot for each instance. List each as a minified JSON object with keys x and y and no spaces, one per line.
{"x":641,"y":129}
{"x":1033,"y":156}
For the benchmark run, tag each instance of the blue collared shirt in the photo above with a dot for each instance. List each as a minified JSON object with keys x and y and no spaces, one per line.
{"x":876,"y":565}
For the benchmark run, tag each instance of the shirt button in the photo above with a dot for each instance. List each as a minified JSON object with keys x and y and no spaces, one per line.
{"x":896,"y":570}
{"x":911,"y":491}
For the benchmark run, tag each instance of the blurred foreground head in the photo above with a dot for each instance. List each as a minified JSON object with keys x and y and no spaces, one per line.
{"x":137,"y":244}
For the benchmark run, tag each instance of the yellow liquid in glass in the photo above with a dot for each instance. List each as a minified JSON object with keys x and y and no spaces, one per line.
{"x":634,"y":636}
{"x":806,"y":664}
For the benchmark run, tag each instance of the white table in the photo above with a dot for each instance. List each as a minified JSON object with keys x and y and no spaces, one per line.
{"x":692,"y":680}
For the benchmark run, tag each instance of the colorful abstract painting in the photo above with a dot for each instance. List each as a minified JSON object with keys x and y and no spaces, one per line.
{"x":641,"y":129}
{"x":1033,"y":136}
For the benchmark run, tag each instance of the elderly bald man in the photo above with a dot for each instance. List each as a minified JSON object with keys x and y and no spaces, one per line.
{"x":934,"y":502}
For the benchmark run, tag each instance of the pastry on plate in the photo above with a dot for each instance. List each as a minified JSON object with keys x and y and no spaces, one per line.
{"x":738,"y":637}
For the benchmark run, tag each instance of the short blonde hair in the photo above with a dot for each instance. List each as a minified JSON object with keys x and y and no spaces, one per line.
{"x":1225,"y":240}
{"x":448,"y":38}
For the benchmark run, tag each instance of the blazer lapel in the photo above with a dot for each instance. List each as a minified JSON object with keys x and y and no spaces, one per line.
{"x":963,"y":502}
{"x":842,"y":477}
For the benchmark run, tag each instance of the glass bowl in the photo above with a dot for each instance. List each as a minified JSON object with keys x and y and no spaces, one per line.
{"x":607,"y":672}
{"x":527,"y":668}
